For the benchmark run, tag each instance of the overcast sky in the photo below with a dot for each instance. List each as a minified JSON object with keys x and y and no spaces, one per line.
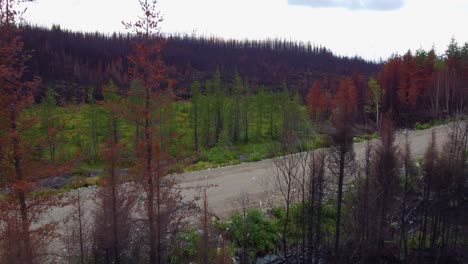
{"x":371,"y":29}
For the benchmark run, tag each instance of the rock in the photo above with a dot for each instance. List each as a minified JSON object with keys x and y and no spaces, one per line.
{"x":53,"y":182}
{"x":94,"y":173}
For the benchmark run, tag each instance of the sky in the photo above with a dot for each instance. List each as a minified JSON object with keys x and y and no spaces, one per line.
{"x":371,"y":29}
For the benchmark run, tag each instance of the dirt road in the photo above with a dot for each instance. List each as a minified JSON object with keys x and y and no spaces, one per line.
{"x":229,"y":181}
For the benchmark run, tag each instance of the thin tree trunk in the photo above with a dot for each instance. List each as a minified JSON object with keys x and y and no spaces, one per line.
{"x":158,"y":218}
{"x":437,"y":94}
{"x":195,"y":128}
{"x":366,"y":192}
{"x":115,"y":240}
{"x":205,"y":227}
{"x":271,"y":123}
{"x":285,"y":227}
{"x":149,"y":179}
{"x":27,"y":250}
{"x":339,"y":202}
{"x":246,"y":124}
{"x":25,"y":232}
{"x":403,"y":240}
{"x":137,"y":134}
{"x":311,"y":211}
{"x":377,"y":115}
{"x":318,"y":233}
{"x":447,"y":93}
{"x":80,"y":228}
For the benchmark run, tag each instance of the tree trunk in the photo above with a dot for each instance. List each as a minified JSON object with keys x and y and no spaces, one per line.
{"x":318,"y":233}
{"x":437,"y":94}
{"x":149,"y":178}
{"x":271,"y":123}
{"x":80,"y":228}
{"x":339,"y":202}
{"x":195,"y":124}
{"x":25,"y":232}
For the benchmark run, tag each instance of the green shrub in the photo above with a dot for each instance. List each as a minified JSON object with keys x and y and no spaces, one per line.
{"x":423,"y":126}
{"x":185,"y":248}
{"x":256,"y":156}
{"x":259,"y":151}
{"x":261,"y":232}
{"x":91,"y":181}
{"x":319,"y":141}
{"x":219,"y":155}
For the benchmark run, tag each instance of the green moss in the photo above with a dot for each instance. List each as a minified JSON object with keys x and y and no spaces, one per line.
{"x":92,"y":181}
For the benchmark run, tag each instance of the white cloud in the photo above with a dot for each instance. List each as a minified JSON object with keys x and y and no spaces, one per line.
{"x":367,"y":33}
{"x":352,"y":4}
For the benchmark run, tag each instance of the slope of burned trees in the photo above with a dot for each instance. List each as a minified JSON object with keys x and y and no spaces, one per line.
{"x":74,"y":61}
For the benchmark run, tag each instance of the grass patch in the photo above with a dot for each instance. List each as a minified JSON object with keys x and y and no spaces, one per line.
{"x":48,"y":192}
{"x":200,"y":165}
{"x":423,"y":126}
{"x":258,"y":151}
{"x":432,"y":123}
{"x":219,"y":155}
{"x":319,"y":141}
{"x":365,"y":137}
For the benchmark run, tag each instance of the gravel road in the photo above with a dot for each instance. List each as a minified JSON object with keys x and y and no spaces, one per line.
{"x":228,"y":182}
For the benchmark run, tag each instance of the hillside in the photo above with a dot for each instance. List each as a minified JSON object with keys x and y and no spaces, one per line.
{"x":75,"y":63}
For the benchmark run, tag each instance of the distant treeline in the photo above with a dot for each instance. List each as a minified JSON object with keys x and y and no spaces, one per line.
{"x":75,"y":63}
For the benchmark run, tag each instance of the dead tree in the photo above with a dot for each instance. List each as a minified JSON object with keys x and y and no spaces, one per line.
{"x":447,"y":188}
{"x":243,"y":203}
{"x":302,"y":179}
{"x":341,"y":155}
{"x":340,"y":164}
{"x":284,"y":173}
{"x":115,"y":198}
{"x":79,"y":229}
{"x":386,"y":184}
{"x":360,"y":207}
{"x":408,"y":171}
{"x":208,"y":242}
{"x":316,"y":193}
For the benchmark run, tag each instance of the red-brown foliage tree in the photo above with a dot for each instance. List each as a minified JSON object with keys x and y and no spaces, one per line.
{"x":362,"y":94}
{"x":415,"y":84}
{"x":389,"y":78}
{"x":344,"y":103}
{"x":23,"y":238}
{"x":385,"y":185}
{"x":113,"y":215}
{"x":408,"y":82}
{"x":341,"y":152}
{"x":163,"y":203}
{"x":317,"y":101}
